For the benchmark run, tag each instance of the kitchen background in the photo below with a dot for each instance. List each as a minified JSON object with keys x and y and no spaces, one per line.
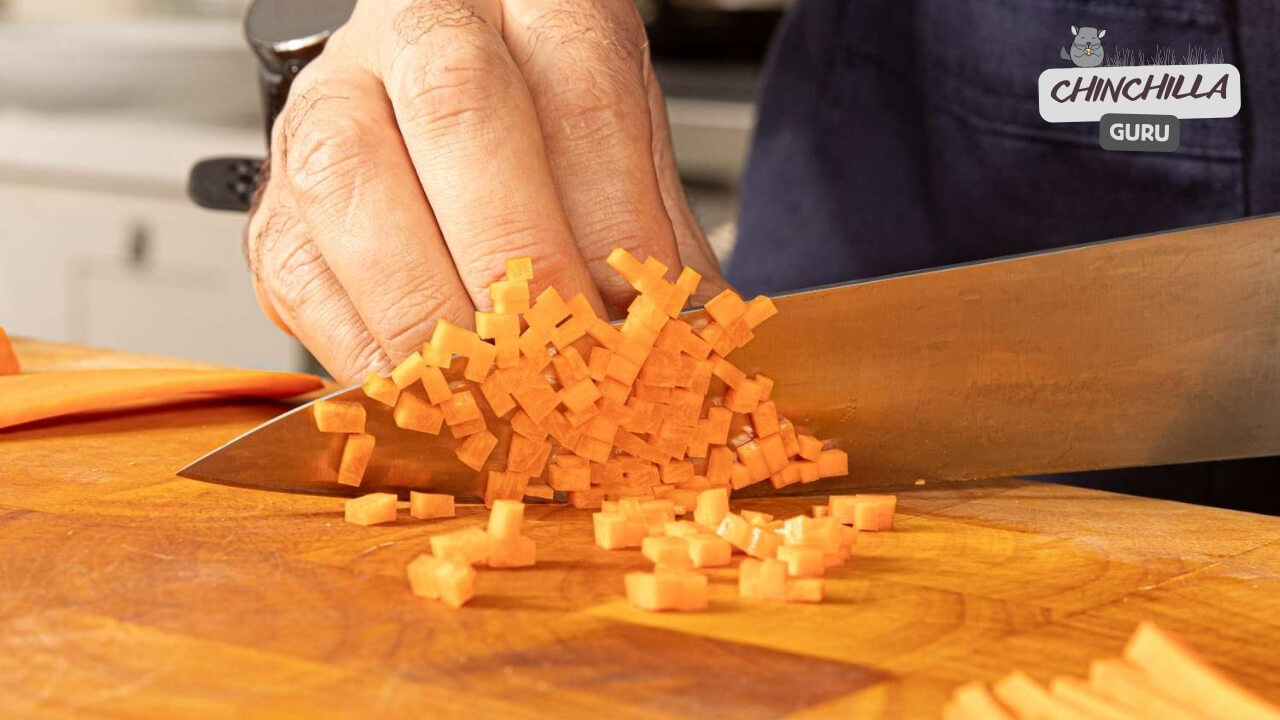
{"x":105,"y":104}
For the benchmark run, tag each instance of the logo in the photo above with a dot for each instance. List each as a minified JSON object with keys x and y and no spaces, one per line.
{"x":1139,"y":101}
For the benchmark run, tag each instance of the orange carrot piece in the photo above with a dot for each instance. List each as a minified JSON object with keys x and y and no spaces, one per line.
{"x":803,"y":590}
{"x":581,"y":317}
{"x":708,"y":550}
{"x":504,"y":485}
{"x":422,"y":576}
{"x":408,"y":372}
{"x":790,"y":441}
{"x":538,"y":490}
{"x":626,"y":265}
{"x":833,"y":463}
{"x":755,"y":517}
{"x":469,"y":545}
{"x":766,"y":385}
{"x":569,"y":472}
{"x":456,"y":582}
{"x":751,"y":455}
{"x":676,"y":472}
{"x":524,"y":425}
{"x":775,"y":456}
{"x":806,"y":470}
{"x":535,"y":397}
{"x":613,"y":531}
{"x":513,"y":552}
{"x":372,"y":509}
{"x":712,"y":507}
{"x":461,"y":407}
{"x":597,"y":362}
{"x":510,"y":296}
{"x":762,"y":579}
{"x":725,"y":370}
{"x":356,"y":454}
{"x":1131,"y":688}
{"x":744,"y":397}
{"x":764,"y":419}
{"x":885,"y":506}
{"x":526,"y":456}
{"x":569,"y":366}
{"x":614,"y":390}
{"x":468,"y":428}
{"x":607,"y":335}
{"x":801,"y":560}
{"x":493,"y":325}
{"x":685,"y":286}
{"x":1178,"y":671}
{"x":973,"y":700}
{"x":810,"y":447}
{"x":475,"y":450}
{"x":1076,"y":693}
{"x":580,"y":396}
{"x":339,"y":416}
{"x":480,"y":362}
{"x":519,"y":268}
{"x":1028,"y":698}
{"x":667,"y":590}
{"x":429,"y":506}
{"x":547,"y":311}
{"x":726,"y":307}
{"x":8,"y":359}
{"x":506,"y":519}
{"x":494,"y":390}
{"x":437,"y":387}
{"x":760,"y":308}
{"x":415,"y":413}
{"x":435,"y":357}
{"x":666,"y":552}
{"x":740,"y":477}
{"x":382,"y":389}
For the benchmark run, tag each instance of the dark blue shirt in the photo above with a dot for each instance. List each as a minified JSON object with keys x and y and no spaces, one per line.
{"x":896,"y":135}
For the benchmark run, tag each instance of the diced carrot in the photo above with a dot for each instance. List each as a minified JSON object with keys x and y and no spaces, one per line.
{"x":685,"y":286}
{"x":422,"y":576}
{"x":415,"y":413}
{"x":451,"y":339}
{"x":801,"y":560}
{"x":685,"y":529}
{"x":760,"y":308}
{"x":810,"y":447}
{"x":626,"y":265}
{"x":622,"y":369}
{"x":356,"y":454}
{"x":584,"y":499}
{"x":435,"y":357}
{"x":8,"y":359}
{"x":726,"y":307}
{"x":381,"y":389}
{"x":1133,"y":689}
{"x":764,"y":419}
{"x":806,"y":471}
{"x":740,"y":477}
{"x":715,"y":335}
{"x":775,"y":456}
{"x":428,"y":506}
{"x":762,"y":543}
{"x":468,"y":428}
{"x":493,"y":325}
{"x":507,"y":352}
{"x":788,"y":475}
{"x":504,"y":485}
{"x":527,"y":457}
{"x":339,"y":416}
{"x":701,"y":441}
{"x":833,"y":463}
{"x":1028,"y":698}
{"x":836,"y":558}
{"x":803,"y":590}
{"x":506,"y":519}
{"x":480,"y":362}
{"x":762,"y":579}
{"x":610,"y":530}
{"x":510,"y":296}
{"x":437,"y":387}
{"x":653,"y":275}
{"x":469,"y":545}
{"x":495,"y":393}
{"x":712,"y":506}
{"x":885,"y":506}
{"x":522,"y":424}
{"x":708,"y":550}
{"x":533,"y":345}
{"x":667,"y":590}
{"x":821,"y":511}
{"x":648,"y":313}
{"x":744,"y":397}
{"x":766,"y":386}
{"x":636,"y":343}
{"x":372,"y":509}
{"x":547,"y":311}
{"x":456,"y":582}
{"x":513,"y":552}
{"x":607,"y":335}
{"x":580,"y":397}
{"x":461,"y":407}
{"x":821,"y":533}
{"x":408,"y":372}
{"x":866,"y":516}
{"x":725,"y":370}
{"x":751,"y":455}
{"x":538,"y":490}
{"x":666,"y":552}
{"x":569,"y":366}
{"x":519,"y":268}
{"x":581,"y":317}
{"x":475,"y":450}
{"x":790,"y":442}
{"x":735,"y":529}
{"x":676,"y":472}
{"x":974,"y":701}
{"x":736,"y":335}
{"x":755,"y":517}
{"x":1178,"y":671}
{"x":535,"y":397}
{"x":844,"y":508}
{"x":593,"y":449}
{"x":1088,"y":702}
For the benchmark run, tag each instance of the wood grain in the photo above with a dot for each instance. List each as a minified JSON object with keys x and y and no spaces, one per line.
{"x":128,"y":593}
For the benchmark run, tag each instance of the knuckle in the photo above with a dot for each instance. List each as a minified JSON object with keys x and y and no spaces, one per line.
{"x":407,"y":321}
{"x":325,"y":148}
{"x":463,"y":85}
{"x":416,"y":20}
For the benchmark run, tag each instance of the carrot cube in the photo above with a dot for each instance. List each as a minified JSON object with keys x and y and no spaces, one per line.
{"x":428,"y":506}
{"x":415,"y":413}
{"x":381,"y":389}
{"x":372,"y":509}
{"x":762,"y":579}
{"x":495,"y":393}
{"x":513,"y":552}
{"x":726,"y":307}
{"x":810,"y":447}
{"x":569,"y":366}
{"x":648,"y":313}
{"x":736,"y":530}
{"x":843,"y":508}
{"x":468,"y":428}
{"x":581,"y":396}
{"x":676,"y":472}
{"x":504,"y":485}
{"x":480,"y":362}
{"x":684,"y":529}
{"x":585,"y":499}
{"x":763,"y":543}
{"x":719,"y":465}
{"x":456,"y":582}
{"x":607,"y":335}
{"x":667,"y":590}
{"x":422,"y":576}
{"x":469,"y":545}
{"x":533,"y":344}
{"x":519,"y":268}
{"x":807,"y":471}
{"x":408,"y":372}
{"x":528,"y":457}
{"x":833,"y":463}
{"x":885,"y":506}
{"x":802,"y":561}
{"x":755,"y":517}
{"x":614,"y":390}
{"x":461,"y":407}
{"x":666,"y":552}
{"x":510,"y":296}
{"x":740,"y":477}
{"x":536,"y":398}
{"x":507,"y":352}
{"x":451,"y":339}
{"x":435,"y":357}
{"x":721,"y":418}
{"x":836,"y":558}
{"x":593,"y":449}
{"x":339,"y":416}
{"x":506,"y":519}
{"x":700,"y":378}
{"x":621,"y":369}
{"x":758,"y":310}
{"x":766,"y":386}
{"x":805,"y":590}
{"x":437,"y":387}
{"x":547,"y":311}
{"x":712,"y":507}
{"x":475,"y":450}
{"x":744,"y":397}
{"x":764,"y":419}
{"x":610,"y":530}
{"x":821,"y":511}
{"x":581,"y":317}
{"x":492,"y":325}
{"x":625,"y":264}
{"x":751,"y":455}
{"x":356,"y":454}
{"x":524,"y":425}
{"x":790,"y":442}
{"x":775,"y":456}
{"x":709,"y":550}
{"x":543,"y":492}
{"x":597,"y":363}
{"x":788,"y":475}
{"x":567,"y":474}
{"x":866,"y":516}
{"x":725,"y":370}
{"x":685,"y":286}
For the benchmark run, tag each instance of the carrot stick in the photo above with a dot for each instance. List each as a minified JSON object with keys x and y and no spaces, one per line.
{"x":1179,"y":672}
{"x":38,"y":396}
{"x":1028,"y":698}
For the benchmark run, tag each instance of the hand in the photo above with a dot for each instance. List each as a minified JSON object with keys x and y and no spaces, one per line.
{"x":432,"y":140}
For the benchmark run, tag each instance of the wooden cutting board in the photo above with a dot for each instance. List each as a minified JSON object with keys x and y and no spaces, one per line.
{"x":126,"y":592}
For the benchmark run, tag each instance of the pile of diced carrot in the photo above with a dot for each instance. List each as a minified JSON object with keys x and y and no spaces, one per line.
{"x":786,"y":559}
{"x":1158,"y":677}
{"x":448,"y":572}
{"x":594,"y":412}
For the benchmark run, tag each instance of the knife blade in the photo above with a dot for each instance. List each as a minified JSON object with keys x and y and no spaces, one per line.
{"x":1155,"y":349}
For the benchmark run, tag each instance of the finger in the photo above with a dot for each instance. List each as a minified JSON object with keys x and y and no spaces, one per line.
{"x":695,"y":251}
{"x":342,"y":159}
{"x":294,"y":283}
{"x":472,"y":132}
{"x":583,"y":61}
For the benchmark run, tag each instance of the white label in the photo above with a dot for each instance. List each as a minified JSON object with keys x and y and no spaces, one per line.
{"x":1184,"y":91}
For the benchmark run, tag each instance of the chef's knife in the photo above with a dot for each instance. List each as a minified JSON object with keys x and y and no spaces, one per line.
{"x":1149,"y":350}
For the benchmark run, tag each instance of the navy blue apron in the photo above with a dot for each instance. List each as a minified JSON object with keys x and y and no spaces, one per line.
{"x":896,"y":135}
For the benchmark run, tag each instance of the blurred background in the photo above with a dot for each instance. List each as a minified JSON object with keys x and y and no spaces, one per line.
{"x":105,"y":104}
